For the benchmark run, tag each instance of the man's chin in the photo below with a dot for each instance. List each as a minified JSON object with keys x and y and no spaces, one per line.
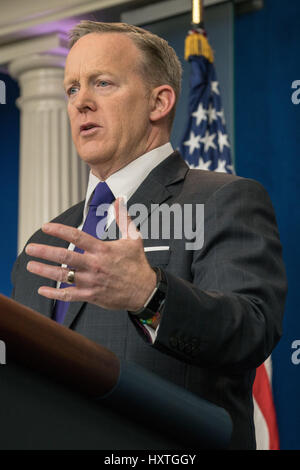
{"x":90,"y":152}
{"x":94,"y":158}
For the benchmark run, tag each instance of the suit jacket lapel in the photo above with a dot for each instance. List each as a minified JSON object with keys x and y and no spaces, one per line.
{"x":153,"y":190}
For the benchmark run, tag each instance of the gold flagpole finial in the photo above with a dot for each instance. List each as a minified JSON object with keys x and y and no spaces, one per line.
{"x":196,"y":42}
{"x":197,"y":15}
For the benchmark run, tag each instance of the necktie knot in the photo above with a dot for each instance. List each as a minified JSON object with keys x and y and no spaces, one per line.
{"x":102,"y":195}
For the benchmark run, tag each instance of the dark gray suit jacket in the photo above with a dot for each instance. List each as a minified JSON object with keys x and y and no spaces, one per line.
{"x":225,"y":301}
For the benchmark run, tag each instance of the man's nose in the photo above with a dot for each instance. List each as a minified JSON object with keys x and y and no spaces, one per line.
{"x":84,"y":100}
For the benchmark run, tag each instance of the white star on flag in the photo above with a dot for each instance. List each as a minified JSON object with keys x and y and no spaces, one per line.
{"x":200,"y":114}
{"x":212,"y":114}
{"x":193,"y":142}
{"x":214,"y":87}
{"x":222,"y":140}
{"x":202,"y":165}
{"x":221,"y":166}
{"x":221,"y":115}
{"x":208,"y":141}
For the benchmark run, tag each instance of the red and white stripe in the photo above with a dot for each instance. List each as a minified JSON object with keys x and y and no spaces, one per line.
{"x":265,"y":422}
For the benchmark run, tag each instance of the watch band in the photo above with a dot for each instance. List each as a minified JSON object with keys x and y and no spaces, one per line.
{"x":155,"y":302}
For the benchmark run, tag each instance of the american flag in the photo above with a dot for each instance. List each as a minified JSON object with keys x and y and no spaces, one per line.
{"x":205,"y":146}
{"x":205,"y":143}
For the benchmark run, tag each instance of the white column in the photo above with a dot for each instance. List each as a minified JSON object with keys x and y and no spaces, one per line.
{"x":52,"y":176}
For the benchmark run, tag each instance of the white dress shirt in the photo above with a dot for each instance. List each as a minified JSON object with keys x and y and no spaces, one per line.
{"x":123,"y":183}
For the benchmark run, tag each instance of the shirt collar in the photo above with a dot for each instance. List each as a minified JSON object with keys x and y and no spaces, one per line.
{"x":125,"y":181}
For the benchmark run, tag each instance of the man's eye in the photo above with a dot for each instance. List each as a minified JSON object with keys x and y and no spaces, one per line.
{"x":102,"y":83}
{"x":71,"y":90}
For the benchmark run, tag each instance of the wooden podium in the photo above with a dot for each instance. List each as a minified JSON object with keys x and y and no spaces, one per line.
{"x":59,"y":390}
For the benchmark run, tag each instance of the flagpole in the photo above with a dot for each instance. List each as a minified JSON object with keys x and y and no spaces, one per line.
{"x":196,"y":42}
{"x":197,"y":13}
{"x":205,"y":141}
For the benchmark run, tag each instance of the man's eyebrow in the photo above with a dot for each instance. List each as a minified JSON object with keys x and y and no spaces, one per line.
{"x":92,"y":74}
{"x":70,"y":81}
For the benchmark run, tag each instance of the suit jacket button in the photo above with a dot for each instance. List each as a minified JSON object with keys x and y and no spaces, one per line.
{"x":181,"y":345}
{"x":173,"y":341}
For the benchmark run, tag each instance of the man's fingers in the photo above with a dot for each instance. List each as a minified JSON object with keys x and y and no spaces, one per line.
{"x":57,"y":255}
{"x":68,"y":294}
{"x":59,"y":274}
{"x":82,"y":240}
{"x":54,"y":273}
{"x":50,"y":272}
{"x":125,"y":224}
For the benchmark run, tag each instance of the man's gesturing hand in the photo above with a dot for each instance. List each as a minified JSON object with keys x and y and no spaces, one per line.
{"x":113,"y":274}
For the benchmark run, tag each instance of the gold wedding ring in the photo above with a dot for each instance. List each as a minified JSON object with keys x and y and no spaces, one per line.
{"x":71,"y":277}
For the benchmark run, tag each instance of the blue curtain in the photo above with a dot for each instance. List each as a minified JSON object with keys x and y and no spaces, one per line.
{"x":9,"y":155}
{"x":267,"y":148}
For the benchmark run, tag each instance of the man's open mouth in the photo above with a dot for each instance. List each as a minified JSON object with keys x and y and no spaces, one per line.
{"x":88,"y":127}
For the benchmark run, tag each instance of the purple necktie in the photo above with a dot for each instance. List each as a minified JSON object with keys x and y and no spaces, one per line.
{"x":102,"y":195}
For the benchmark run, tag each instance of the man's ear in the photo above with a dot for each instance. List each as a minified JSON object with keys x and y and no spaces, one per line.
{"x":162,"y":101}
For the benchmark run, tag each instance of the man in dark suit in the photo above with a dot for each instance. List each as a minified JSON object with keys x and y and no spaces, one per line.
{"x":208,"y":316}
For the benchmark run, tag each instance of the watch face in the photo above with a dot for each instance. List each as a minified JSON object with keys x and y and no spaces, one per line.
{"x":157,"y":300}
{"x":155,"y":305}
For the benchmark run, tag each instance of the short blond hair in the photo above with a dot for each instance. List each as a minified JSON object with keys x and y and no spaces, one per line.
{"x":160,"y":64}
